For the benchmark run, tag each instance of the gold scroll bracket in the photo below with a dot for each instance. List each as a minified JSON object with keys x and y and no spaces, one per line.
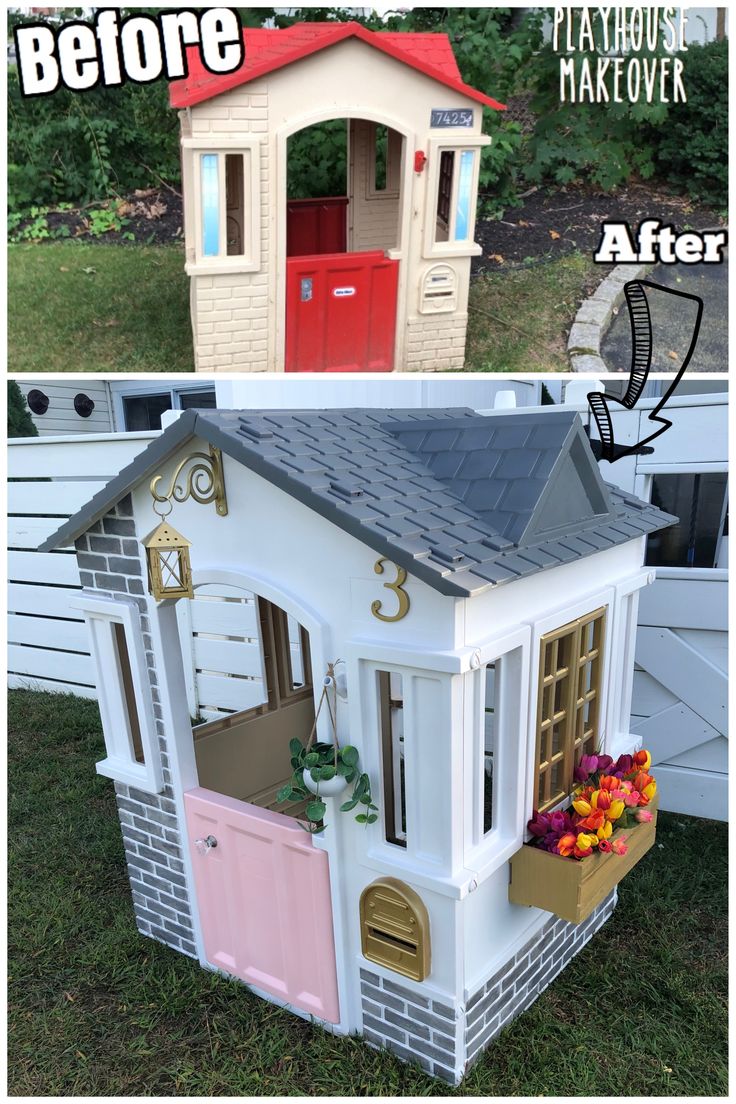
{"x":205,"y":481}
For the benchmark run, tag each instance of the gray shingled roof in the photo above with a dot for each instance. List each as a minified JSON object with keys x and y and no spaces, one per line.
{"x":461,"y":500}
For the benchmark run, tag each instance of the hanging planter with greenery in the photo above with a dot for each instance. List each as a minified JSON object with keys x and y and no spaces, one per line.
{"x":322,"y":769}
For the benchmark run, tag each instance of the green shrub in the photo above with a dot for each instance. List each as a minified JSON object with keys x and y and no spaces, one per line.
{"x":692,"y":150}
{"x":20,"y":422}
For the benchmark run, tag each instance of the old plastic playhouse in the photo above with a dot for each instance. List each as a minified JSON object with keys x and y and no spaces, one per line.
{"x":473,"y":583}
{"x":372,"y":280}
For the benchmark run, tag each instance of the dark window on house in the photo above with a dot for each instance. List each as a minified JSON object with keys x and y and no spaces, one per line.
{"x":198,"y":400}
{"x":444,"y":189}
{"x":700,"y":501}
{"x":235,"y":204}
{"x":489,"y":742}
{"x":143,"y":412}
{"x":391,"y":719}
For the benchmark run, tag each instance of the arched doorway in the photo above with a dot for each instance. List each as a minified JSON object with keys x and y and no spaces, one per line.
{"x":344,"y":199}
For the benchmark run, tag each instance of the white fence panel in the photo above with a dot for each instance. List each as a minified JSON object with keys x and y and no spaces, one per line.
{"x":680,"y":693}
{"x":51,"y":478}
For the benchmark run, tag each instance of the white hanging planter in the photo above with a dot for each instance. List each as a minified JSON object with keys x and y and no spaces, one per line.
{"x":330,"y":788}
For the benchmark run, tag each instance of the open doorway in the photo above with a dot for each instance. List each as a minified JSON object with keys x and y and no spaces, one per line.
{"x":244,"y":754}
{"x":344,"y":201}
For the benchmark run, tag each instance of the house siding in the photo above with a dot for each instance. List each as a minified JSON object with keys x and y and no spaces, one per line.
{"x":110,"y":563}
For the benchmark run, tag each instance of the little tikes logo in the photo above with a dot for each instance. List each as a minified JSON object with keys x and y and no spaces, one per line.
{"x":110,"y":51}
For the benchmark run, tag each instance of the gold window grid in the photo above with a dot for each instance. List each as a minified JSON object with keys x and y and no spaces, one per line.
{"x":568,"y":710}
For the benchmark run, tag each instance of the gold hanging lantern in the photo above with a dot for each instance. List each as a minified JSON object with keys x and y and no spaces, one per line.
{"x":169,"y":566}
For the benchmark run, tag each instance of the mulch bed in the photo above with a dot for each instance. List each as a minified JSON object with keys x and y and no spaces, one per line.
{"x":547,"y":225}
{"x":552,"y":223}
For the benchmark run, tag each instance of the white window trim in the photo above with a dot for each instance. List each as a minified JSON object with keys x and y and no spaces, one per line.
{"x":121,"y":391}
{"x":621,"y":740}
{"x":101,"y":614}
{"x":643,"y":489}
{"x":250,"y":261}
{"x":484,"y":854}
{"x":435,"y":147}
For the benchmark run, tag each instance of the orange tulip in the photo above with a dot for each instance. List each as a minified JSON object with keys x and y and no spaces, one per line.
{"x":566,"y":844}
{"x":642,"y":759}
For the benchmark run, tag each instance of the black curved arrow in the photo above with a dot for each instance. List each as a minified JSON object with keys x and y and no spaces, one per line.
{"x":641,"y":363}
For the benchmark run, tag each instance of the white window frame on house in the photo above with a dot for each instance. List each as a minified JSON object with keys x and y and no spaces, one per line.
{"x":485,"y":852}
{"x":625,"y":618}
{"x":435,"y":148}
{"x":643,"y":489}
{"x":121,"y":391}
{"x":102,"y":615}
{"x":193,"y":149}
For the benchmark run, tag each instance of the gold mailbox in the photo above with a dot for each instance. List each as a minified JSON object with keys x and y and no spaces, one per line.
{"x":394,"y":928}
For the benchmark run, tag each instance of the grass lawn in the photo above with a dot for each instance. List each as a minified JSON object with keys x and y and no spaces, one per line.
{"x":96,"y":1009}
{"x":98,"y":308}
{"x":519,"y":319}
{"x":113,"y":308}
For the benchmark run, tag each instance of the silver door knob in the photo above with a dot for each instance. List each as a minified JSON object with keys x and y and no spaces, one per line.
{"x":205,"y":845}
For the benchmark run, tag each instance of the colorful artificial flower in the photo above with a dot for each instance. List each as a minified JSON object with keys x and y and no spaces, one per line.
{"x":608,"y":795}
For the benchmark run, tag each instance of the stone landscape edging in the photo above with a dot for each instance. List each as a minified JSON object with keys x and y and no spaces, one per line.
{"x":594,"y":317}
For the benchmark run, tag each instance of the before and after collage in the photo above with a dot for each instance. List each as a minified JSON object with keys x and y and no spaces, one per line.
{"x":367,"y":558}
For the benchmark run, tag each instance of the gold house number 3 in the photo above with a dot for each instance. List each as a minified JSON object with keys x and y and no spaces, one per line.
{"x":397,"y":586}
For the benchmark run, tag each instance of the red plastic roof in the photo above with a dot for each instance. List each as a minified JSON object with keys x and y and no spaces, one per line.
{"x":268,"y":50}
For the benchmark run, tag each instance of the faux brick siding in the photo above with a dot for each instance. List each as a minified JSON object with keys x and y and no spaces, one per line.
{"x":520,"y":981}
{"x":414,"y":1027}
{"x":436,"y":343}
{"x":109,"y":560}
{"x":230,"y":310}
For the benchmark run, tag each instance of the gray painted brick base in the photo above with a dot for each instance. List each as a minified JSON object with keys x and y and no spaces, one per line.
{"x":412,"y":1026}
{"x":109,"y":558}
{"x":444,"y":1040}
{"x":520,"y":981}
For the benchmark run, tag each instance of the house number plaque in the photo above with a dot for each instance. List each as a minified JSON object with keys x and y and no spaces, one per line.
{"x":397,"y":586}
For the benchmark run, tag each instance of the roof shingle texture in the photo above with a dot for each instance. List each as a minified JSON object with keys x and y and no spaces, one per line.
{"x":450,"y":495}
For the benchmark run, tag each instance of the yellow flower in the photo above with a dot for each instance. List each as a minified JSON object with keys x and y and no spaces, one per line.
{"x":605,"y":830}
{"x":581,"y":806}
{"x":586,"y":840}
{"x":617,"y":808}
{"x":650,"y":790}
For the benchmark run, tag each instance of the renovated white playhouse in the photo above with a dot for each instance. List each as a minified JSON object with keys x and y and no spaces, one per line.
{"x":468,"y":585}
{"x":371,"y":279}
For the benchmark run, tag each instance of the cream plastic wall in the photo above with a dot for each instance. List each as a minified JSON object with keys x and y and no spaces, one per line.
{"x":238,"y":304}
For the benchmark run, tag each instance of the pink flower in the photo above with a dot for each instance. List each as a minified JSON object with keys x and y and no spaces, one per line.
{"x":605,"y":846}
{"x":619,"y":846}
{"x":644,"y":816}
{"x":632,"y":799}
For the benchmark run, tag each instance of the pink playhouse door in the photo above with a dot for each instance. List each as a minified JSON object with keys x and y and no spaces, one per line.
{"x":341,"y":312}
{"x":264,"y":901}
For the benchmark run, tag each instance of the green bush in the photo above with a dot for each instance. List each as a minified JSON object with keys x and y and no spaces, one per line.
{"x":692,"y":149}
{"x":78,"y":147}
{"x":20,"y":422}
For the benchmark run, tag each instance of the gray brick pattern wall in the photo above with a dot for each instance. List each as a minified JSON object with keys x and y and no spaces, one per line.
{"x":109,"y":559}
{"x":520,"y":981}
{"x":414,"y":1027}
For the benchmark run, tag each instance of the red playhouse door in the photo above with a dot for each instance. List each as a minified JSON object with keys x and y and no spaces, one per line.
{"x":263,"y":891}
{"x":341,"y":312}
{"x":316,"y":226}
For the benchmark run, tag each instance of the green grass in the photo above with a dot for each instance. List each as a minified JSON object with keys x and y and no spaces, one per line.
{"x":98,"y":308}
{"x":112,"y":308}
{"x":96,"y":1009}
{"x":519,"y":319}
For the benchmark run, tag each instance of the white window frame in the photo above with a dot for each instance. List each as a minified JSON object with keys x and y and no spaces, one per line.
{"x":486,"y":852}
{"x":121,"y":391}
{"x":101,"y":616}
{"x":250,"y":260}
{"x":643,"y":489}
{"x":625,"y":617}
{"x":457,"y":145}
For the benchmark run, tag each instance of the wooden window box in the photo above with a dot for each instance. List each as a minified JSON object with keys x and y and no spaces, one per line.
{"x":572,"y":889}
